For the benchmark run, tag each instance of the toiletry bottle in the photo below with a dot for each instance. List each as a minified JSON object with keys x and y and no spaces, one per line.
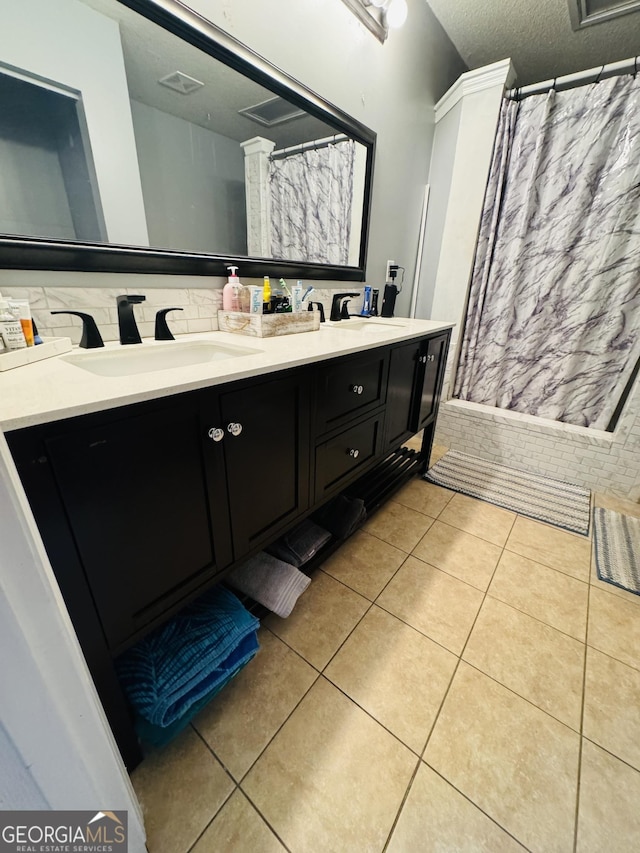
{"x":296,"y":297}
{"x":373,"y":311}
{"x":10,"y":328}
{"x":20,"y":309}
{"x":231,"y":291}
{"x":366,"y":302}
{"x":266,"y":295}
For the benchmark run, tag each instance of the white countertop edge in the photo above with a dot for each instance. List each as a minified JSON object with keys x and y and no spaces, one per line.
{"x":52,"y":389}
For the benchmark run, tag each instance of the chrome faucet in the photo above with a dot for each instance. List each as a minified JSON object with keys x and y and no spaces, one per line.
{"x":129,"y":333}
{"x":340,"y":312}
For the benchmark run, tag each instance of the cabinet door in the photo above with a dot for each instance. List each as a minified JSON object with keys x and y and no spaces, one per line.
{"x":267,"y":458}
{"x":403,"y":368}
{"x":431,"y":363}
{"x":136,"y":500}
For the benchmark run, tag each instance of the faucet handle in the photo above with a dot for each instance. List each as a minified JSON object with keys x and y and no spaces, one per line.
{"x":91,"y":337}
{"x":163,"y":332}
{"x":131,"y":299}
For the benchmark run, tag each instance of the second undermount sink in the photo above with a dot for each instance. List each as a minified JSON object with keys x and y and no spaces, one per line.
{"x":149,"y":357}
{"x":372,"y":324}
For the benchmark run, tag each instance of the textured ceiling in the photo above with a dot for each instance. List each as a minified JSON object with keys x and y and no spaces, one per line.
{"x":535,"y":34}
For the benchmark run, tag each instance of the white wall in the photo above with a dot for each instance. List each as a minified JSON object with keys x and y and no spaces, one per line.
{"x":74,"y":46}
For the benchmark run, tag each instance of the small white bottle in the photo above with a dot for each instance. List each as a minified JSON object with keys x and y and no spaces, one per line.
{"x":231,"y":291}
{"x":10,"y":328}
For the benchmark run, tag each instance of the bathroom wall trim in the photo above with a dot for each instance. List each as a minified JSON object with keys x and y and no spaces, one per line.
{"x":501,"y":72}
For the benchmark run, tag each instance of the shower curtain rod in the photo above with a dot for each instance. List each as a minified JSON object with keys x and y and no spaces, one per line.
{"x":281,"y":153}
{"x":581,"y":78}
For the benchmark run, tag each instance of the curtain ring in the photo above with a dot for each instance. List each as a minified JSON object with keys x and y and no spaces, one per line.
{"x":600,"y":74}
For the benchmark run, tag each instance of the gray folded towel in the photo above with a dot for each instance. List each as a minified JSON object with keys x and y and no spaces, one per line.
{"x":298,"y":546}
{"x":270,"y":582}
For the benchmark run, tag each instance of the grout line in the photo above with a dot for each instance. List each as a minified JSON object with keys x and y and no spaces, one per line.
{"x":587,"y":582}
{"x":536,"y":618}
{"x":582,"y":710}
{"x":612,"y":754}
{"x":257,"y":810}
{"x":401,"y":806}
{"x":475,"y":805}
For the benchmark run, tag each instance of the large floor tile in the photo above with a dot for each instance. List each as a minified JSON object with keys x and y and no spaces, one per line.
{"x":437,"y":452}
{"x":612,"y":706}
{"x":608,"y":817}
{"x":458,"y":553}
{"x":423,"y":497}
{"x":365,"y":563}
{"x":399,"y":526}
{"x":480,"y":518}
{"x":239,"y":722}
{"x":531,"y":658}
{"x":518,"y":764}
{"x":395,"y":673}
{"x":438,"y":819}
{"x":180,"y":789}
{"x":332,"y":779}
{"x":614,"y":627}
{"x":545,"y":594}
{"x":238,"y":828}
{"x":567,"y":552}
{"x":621,"y":505}
{"x":323,"y":618}
{"x":433,"y":602}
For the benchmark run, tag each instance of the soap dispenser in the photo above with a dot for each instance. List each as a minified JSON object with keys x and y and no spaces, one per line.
{"x":231,"y":291}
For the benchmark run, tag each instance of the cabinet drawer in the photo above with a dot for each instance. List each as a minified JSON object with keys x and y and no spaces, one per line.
{"x":342,"y":458}
{"x":351,"y":388}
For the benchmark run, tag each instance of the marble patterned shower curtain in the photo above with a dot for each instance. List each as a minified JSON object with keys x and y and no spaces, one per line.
{"x":553,"y":322}
{"x":311,"y":198}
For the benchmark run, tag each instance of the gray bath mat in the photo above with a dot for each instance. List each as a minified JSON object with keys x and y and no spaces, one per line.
{"x":542,"y":498}
{"x":617,"y":545}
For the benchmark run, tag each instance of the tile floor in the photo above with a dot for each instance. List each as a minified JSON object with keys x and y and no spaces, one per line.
{"x":455,"y":679}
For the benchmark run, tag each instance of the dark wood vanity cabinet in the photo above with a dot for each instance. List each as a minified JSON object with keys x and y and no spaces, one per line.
{"x":141,"y":508}
{"x":416,"y":371}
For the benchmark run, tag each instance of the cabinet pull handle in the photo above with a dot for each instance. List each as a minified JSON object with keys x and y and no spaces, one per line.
{"x":357,"y":389}
{"x":353,"y":452}
{"x":216,"y":434}
{"x":234,"y":429}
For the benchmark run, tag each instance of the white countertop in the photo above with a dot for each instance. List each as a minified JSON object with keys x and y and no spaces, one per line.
{"x":54,"y":389}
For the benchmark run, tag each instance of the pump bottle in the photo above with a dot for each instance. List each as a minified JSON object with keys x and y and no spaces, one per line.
{"x":231,"y":291}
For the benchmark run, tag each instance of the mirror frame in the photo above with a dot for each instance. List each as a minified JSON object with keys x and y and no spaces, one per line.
{"x":18,"y":252}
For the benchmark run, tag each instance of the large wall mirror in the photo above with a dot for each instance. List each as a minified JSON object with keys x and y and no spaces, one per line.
{"x":135,"y":136}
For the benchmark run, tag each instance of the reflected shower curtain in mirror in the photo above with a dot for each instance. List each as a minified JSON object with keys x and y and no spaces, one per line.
{"x":553,"y":321}
{"x":311,"y":199}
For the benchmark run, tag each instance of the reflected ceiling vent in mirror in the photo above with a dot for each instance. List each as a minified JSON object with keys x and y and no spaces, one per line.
{"x":274,"y":111}
{"x":585,"y":13}
{"x":180,"y":82}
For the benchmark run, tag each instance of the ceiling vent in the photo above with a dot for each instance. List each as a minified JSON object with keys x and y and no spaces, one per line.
{"x":585,"y":13}
{"x":180,"y":82}
{"x":274,"y":111}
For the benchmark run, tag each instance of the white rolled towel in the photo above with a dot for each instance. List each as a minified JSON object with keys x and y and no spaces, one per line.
{"x":270,"y":582}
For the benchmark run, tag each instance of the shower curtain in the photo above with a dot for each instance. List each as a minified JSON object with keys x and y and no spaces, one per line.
{"x":553,"y":320}
{"x":311,"y":197}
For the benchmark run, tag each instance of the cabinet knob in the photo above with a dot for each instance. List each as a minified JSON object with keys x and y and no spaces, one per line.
{"x":423,"y":359}
{"x":357,"y":389}
{"x":234,"y":429}
{"x":431,"y":358}
{"x":353,"y":452}
{"x":216,"y":434}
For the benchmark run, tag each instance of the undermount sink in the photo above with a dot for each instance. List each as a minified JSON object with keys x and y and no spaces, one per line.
{"x":149,"y":357}
{"x":367,"y":325}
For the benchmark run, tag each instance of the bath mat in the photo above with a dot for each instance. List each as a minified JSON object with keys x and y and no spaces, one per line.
{"x":617,"y":546}
{"x":542,"y":498}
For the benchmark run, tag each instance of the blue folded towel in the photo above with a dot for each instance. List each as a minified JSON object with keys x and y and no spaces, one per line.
{"x":181,"y":662}
{"x":161,"y":735}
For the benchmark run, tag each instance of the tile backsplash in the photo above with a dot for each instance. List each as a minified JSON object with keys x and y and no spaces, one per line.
{"x":199,"y":307}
